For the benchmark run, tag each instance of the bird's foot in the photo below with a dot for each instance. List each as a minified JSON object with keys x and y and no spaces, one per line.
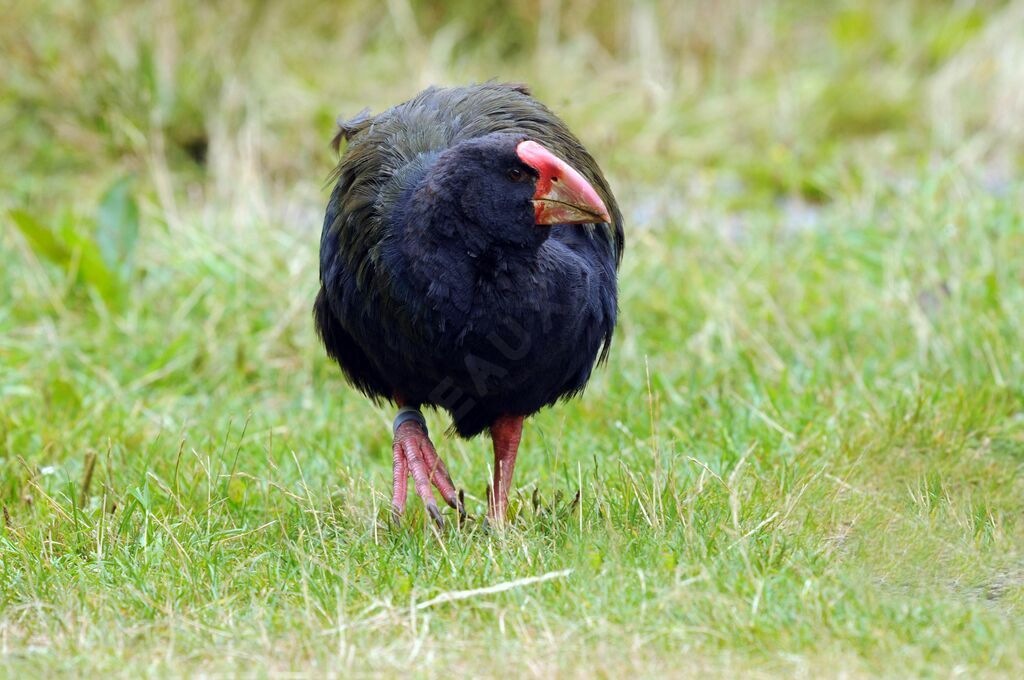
{"x":414,"y":454}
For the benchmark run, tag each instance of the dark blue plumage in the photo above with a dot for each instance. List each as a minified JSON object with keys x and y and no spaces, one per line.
{"x":438,"y":287}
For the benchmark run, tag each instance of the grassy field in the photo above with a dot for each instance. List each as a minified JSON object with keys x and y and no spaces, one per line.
{"x":804,"y":457}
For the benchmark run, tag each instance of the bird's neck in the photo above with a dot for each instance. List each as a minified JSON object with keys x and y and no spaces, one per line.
{"x":429,"y":222}
{"x":436,"y":260}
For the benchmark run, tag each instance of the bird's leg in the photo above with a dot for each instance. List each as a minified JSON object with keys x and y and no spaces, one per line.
{"x":413,"y":453}
{"x":506,"y":432}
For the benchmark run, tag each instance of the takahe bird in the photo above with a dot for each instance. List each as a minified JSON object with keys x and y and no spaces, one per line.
{"x":468,"y":262}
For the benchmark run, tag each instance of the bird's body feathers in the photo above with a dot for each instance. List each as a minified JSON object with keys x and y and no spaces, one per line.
{"x":419,"y":308}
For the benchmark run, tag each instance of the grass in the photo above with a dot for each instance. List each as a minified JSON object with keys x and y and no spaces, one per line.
{"x":804,"y":457}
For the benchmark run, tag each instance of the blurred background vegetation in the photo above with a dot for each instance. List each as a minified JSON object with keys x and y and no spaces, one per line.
{"x":781,"y":104}
{"x":766,"y":94}
{"x":808,"y":441}
{"x":191,"y":124}
{"x":757,"y":101}
{"x":175,"y":104}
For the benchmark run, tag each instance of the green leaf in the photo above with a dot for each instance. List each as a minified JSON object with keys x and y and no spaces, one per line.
{"x":92,"y":267}
{"x":117,"y":225}
{"x":71,"y":251}
{"x":42,"y":240}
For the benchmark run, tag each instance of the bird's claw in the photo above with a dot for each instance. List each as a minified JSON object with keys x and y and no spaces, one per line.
{"x":435,"y":514}
{"x":414,"y":456}
{"x":461,"y":507}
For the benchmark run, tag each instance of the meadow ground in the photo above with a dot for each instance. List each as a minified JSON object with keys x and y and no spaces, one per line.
{"x":803,"y":458}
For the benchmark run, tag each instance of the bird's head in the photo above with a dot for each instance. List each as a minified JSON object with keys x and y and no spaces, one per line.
{"x":512,"y":188}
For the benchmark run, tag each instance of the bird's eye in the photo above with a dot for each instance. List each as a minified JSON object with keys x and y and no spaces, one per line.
{"x":515,"y":174}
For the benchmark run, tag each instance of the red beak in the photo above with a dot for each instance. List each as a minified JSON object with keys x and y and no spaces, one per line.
{"x":563,"y":196}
